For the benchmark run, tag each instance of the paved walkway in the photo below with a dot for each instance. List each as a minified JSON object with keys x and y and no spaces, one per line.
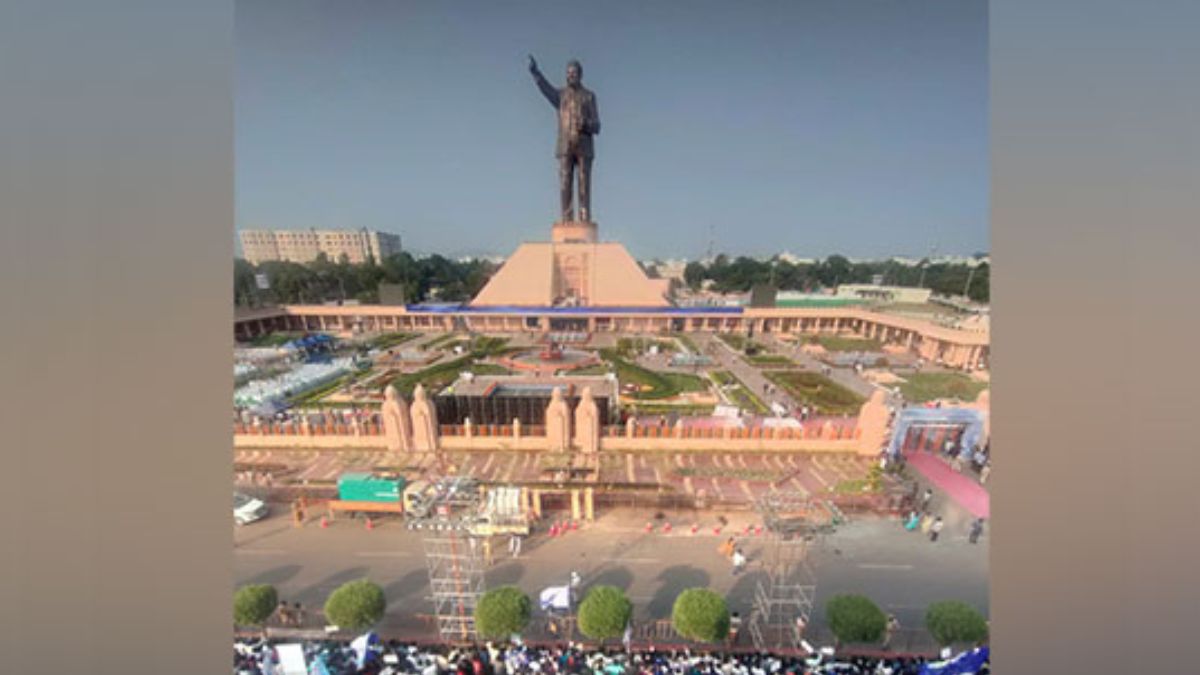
{"x":970,"y":495}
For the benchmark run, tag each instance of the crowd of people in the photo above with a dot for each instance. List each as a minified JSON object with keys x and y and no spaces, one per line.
{"x":393,"y":658}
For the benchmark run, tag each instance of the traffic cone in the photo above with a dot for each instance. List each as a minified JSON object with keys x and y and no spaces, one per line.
{"x":649,"y":526}
{"x":553,"y":529}
{"x":717,"y":530}
{"x":574,"y":524}
{"x":695,"y":528}
{"x":758,"y":529}
{"x":667,"y":527}
{"x":370,"y":525}
{"x":749,"y":529}
{"x":324,"y":522}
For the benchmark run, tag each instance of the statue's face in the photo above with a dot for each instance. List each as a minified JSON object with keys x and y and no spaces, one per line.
{"x":574,"y":75}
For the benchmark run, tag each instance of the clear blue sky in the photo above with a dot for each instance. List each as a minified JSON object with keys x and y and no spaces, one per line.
{"x":854,"y":127}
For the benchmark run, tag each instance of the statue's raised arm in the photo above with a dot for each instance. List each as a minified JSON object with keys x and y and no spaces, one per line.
{"x":548,"y":90}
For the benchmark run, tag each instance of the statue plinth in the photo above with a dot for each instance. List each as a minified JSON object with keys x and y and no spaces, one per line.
{"x":573,"y":232}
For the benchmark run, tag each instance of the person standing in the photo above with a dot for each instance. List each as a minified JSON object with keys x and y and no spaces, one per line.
{"x":935,"y":529}
{"x":976,"y":530}
{"x":913,"y":521}
{"x":893,"y":625}
{"x":985,"y":472}
{"x":514,"y":545}
{"x":926,"y":522}
{"x":739,"y":561}
{"x":926,"y":499}
{"x":297,"y":614}
{"x":735,"y":624}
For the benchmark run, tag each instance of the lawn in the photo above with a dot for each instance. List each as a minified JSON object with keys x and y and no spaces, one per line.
{"x":689,"y":410}
{"x":816,"y":390}
{"x":631,"y":347}
{"x":743,"y":397}
{"x":434,"y":377}
{"x":688,"y":343}
{"x":273,"y":339}
{"x":921,"y":387}
{"x":771,"y":360}
{"x":433,"y":344}
{"x":662,"y":385}
{"x":389,"y":340}
{"x":836,"y":343}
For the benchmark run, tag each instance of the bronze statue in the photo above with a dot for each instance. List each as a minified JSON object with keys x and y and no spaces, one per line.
{"x":578,"y":121}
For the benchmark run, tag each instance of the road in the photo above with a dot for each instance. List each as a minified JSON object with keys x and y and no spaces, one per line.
{"x":901,"y":571}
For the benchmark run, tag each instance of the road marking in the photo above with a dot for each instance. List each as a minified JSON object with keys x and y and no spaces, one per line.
{"x":883,"y":566}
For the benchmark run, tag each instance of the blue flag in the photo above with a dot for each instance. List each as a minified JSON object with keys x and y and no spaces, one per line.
{"x":966,"y":663}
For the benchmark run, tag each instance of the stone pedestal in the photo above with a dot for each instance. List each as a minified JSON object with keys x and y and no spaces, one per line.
{"x":573,"y":232}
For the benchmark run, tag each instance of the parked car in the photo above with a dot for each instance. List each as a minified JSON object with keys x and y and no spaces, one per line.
{"x":247,"y":509}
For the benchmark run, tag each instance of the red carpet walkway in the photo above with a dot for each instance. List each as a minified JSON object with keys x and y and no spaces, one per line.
{"x":961,"y":489}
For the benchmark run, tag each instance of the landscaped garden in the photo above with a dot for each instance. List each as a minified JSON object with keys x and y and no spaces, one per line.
{"x":389,"y":340}
{"x":921,"y":387}
{"x":739,"y":393}
{"x":631,"y":347}
{"x":816,"y":390}
{"x":837,"y":343}
{"x":653,"y":385}
{"x":770,"y":361}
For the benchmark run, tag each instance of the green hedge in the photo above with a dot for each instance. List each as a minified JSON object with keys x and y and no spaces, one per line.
{"x":835,"y":343}
{"x":951,"y":621}
{"x":254,"y":604}
{"x":604,"y":613}
{"x":356,"y":605}
{"x":854,"y":618}
{"x":700,"y":614}
{"x":502,"y":612}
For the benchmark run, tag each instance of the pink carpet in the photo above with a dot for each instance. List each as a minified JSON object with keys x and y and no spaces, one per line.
{"x":961,"y":489}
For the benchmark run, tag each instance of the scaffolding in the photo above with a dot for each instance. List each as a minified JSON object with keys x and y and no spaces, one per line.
{"x":783,"y":602}
{"x":453,"y":557}
{"x":455,"y":581}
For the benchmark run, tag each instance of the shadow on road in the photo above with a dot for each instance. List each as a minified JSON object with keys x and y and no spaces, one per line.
{"x":319,"y":592}
{"x":276,"y":576}
{"x":405,"y":586}
{"x":740,"y":597}
{"x":505,"y":574}
{"x":675,"y":580}
{"x":620,"y":577}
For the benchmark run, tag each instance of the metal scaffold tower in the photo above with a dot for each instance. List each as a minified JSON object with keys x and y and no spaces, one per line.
{"x":452,"y":556}
{"x":788,"y":592}
{"x":455,"y":581}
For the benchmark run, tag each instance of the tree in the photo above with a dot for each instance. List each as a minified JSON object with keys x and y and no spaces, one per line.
{"x":604,"y":613}
{"x":356,"y":605}
{"x":951,"y":621}
{"x":502,"y":612}
{"x":854,"y":618}
{"x":700,"y":614}
{"x":693,"y":274}
{"x":254,"y":604}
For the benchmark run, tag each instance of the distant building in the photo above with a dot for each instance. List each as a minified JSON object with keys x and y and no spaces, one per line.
{"x":303,"y":246}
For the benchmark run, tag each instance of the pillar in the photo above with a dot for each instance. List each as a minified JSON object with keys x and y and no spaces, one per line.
{"x":589,"y":504}
{"x":537,"y":503}
{"x":576,"y":512}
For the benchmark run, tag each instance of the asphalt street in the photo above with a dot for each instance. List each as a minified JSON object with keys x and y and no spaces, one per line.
{"x":901,"y":571}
